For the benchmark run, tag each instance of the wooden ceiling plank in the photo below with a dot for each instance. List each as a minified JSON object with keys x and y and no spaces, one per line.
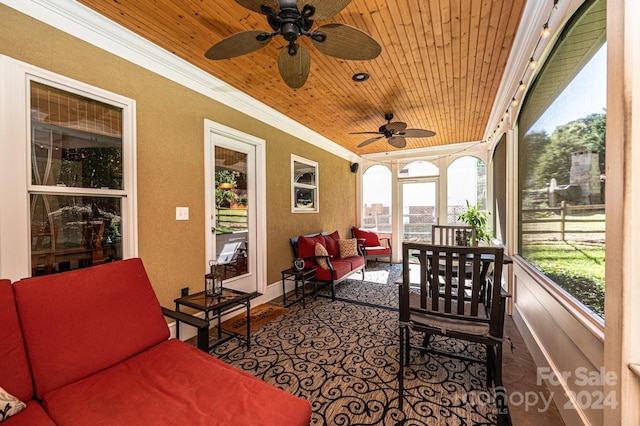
{"x":441,"y":63}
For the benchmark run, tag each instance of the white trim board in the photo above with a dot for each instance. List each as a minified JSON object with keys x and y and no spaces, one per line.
{"x":87,"y":25}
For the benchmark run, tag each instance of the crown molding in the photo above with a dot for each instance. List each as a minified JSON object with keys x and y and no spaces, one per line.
{"x":79,"y":21}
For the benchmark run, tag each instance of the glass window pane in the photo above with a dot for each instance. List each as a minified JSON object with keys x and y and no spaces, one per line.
{"x":304,"y":173}
{"x":232,"y":212}
{"x":304,"y":185}
{"x":376,"y":196}
{"x":417,"y":169}
{"x":75,"y":141}
{"x":71,"y":232}
{"x":466,"y":181}
{"x":561,"y":162}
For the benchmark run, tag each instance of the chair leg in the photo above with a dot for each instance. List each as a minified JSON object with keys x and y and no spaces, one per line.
{"x":402,"y":349}
{"x":498,"y":365}
{"x":491,"y":361}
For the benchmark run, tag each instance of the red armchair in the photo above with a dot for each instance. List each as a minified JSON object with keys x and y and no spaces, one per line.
{"x":371,"y":245}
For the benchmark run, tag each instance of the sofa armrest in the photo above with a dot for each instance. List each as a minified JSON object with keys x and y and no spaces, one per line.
{"x":388,"y":240}
{"x":200,"y":324}
{"x":362,"y":248}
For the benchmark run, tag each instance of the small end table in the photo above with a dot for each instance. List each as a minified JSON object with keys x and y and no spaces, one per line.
{"x":215,"y":307}
{"x":300,"y":278}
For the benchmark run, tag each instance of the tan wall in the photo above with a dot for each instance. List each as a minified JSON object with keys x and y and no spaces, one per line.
{"x":170,"y":150}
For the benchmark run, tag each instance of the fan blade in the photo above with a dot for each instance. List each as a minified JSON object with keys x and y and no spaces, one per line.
{"x":365,"y":133}
{"x":417,"y":133}
{"x":396,"y":126}
{"x":324,"y":8}
{"x":397,"y":141}
{"x":294,"y":69}
{"x":368,"y":141}
{"x":346,"y":42}
{"x":236,"y":45}
{"x":255,"y":5}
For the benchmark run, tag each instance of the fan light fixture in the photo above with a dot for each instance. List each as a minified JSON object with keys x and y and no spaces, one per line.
{"x":293,"y":19}
{"x":395,"y":132}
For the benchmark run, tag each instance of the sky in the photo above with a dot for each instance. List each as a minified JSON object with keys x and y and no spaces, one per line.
{"x":586,"y":94}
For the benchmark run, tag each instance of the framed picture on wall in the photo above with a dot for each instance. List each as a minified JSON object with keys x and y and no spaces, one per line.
{"x":304,"y":185}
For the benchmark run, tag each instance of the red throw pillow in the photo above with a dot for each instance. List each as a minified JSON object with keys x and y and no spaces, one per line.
{"x":307,"y":245}
{"x":331,"y":243}
{"x":370,"y":238}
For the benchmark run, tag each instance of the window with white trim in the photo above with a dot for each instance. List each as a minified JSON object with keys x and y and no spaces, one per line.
{"x":304,"y":185}
{"x":76,"y":207}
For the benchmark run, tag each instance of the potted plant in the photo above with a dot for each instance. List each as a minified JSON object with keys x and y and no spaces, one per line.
{"x":476,"y":217}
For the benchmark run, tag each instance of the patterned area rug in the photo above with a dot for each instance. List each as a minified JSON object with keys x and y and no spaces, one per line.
{"x":343,"y":357}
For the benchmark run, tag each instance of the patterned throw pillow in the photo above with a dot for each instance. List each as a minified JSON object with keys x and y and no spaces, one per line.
{"x":348,"y":248}
{"x":9,"y":405}
{"x":321,"y":251}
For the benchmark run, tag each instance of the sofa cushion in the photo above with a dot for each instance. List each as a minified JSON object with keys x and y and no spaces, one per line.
{"x":9,"y":405}
{"x":32,"y":415}
{"x":321,"y":251}
{"x":15,"y":375}
{"x":355,"y":262}
{"x":378,"y":251}
{"x":174,"y":383}
{"x":370,"y":237}
{"x":331,"y":243}
{"x":341,"y":267}
{"x":348,"y":248}
{"x":79,"y":322}
{"x":307,"y":248}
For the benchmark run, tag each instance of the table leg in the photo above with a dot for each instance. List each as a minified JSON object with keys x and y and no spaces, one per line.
{"x":248,"y":325}
{"x":219,"y":325}
{"x":177,"y":323}
{"x":284,"y":291}
{"x":304,"y":295}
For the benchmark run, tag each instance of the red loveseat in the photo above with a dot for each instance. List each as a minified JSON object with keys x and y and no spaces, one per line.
{"x":371,"y":244}
{"x":91,"y":347}
{"x":331,"y":268}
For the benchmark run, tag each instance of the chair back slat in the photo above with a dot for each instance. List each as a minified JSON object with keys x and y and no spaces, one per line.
{"x":453,"y":235}
{"x":453,"y":281}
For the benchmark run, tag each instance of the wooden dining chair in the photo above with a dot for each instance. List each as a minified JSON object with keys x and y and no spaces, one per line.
{"x":453,"y":235}
{"x":448,"y":304}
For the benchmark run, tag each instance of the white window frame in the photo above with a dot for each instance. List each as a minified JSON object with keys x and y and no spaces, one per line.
{"x":295,"y":185}
{"x":15,"y":163}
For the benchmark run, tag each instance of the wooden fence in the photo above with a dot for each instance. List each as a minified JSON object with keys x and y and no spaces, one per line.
{"x":567,"y":217}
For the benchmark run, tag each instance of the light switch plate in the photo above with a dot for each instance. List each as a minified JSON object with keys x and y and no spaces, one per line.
{"x":182,"y":213}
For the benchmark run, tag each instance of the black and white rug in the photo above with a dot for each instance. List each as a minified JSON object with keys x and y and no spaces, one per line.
{"x":343,"y":357}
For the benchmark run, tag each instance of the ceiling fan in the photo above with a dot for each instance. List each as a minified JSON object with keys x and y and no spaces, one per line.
{"x":292,"y":19}
{"x":395,"y":133}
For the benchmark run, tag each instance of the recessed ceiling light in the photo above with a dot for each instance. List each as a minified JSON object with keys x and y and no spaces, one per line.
{"x":360,"y":76}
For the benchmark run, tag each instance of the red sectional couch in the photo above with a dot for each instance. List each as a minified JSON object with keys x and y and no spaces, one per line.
{"x":91,"y":347}
{"x":332,"y":267}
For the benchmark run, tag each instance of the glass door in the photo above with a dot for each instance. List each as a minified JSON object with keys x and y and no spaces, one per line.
{"x":233,"y":212}
{"x":419,"y":209}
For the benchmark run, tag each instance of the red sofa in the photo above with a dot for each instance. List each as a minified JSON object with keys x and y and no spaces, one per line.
{"x":371,"y":244}
{"x":91,"y":347}
{"x":330,"y":268}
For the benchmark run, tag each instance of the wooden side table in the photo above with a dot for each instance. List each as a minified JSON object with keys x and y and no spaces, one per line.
{"x":300,"y":278}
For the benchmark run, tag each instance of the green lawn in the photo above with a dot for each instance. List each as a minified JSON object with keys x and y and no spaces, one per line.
{"x":578,"y":267}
